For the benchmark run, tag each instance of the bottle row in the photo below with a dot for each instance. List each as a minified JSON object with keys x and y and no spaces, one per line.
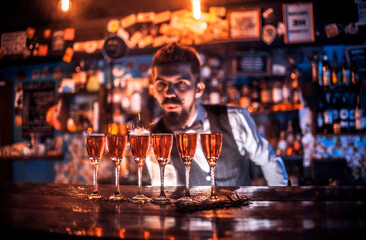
{"x":84,"y":78}
{"x":332,"y":75}
{"x":339,"y":112}
{"x":267,"y":94}
{"x":289,"y":142}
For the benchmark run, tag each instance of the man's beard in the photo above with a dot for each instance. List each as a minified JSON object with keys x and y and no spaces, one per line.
{"x":176,"y":120}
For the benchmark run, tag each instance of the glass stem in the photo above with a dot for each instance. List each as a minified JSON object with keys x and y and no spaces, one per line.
{"x":188,"y":168}
{"x":95,"y":178}
{"x":213,"y":186}
{"x":162,"y":169}
{"x":139,"y":178}
{"x":118,"y":167}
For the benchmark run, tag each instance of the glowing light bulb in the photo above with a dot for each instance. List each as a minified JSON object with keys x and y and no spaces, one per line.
{"x":65,"y":5}
{"x":196,"y":4}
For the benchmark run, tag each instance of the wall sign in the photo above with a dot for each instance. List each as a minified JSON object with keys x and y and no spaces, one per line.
{"x":299,"y":22}
{"x":58,"y":42}
{"x":38,"y":97}
{"x":245,"y":24}
{"x":357,"y":57}
{"x":13,"y":43}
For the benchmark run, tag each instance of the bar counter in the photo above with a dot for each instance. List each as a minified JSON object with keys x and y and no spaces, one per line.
{"x":62,"y":211}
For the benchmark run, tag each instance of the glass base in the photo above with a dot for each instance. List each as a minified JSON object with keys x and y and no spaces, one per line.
{"x":162,"y":200}
{"x":140,"y":198}
{"x":212,"y":199}
{"x":94,"y":195}
{"x":117,"y":197}
{"x":187,"y":200}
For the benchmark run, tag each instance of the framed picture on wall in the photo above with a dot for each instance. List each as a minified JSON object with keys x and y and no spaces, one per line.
{"x":299,"y":22}
{"x":245,"y":24}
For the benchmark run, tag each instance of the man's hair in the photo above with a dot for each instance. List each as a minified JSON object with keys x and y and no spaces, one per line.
{"x":177,"y":53}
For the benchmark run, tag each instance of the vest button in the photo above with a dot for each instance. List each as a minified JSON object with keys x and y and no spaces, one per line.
{"x":208,"y":178}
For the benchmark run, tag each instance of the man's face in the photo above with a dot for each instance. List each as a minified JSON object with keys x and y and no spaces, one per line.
{"x":176,"y":89}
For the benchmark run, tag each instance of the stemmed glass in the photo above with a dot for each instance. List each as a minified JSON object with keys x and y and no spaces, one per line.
{"x":162,"y":144}
{"x":211,"y":146}
{"x":116,"y":145}
{"x":139,"y":149}
{"x":95,"y":146}
{"x":187,"y":144}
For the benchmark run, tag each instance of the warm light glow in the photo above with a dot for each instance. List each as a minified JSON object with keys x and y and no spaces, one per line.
{"x":146,"y":235}
{"x":122,"y":233}
{"x":113,"y":128}
{"x":98,"y":231}
{"x":278,"y":152}
{"x":196,"y":5}
{"x":65,"y":5}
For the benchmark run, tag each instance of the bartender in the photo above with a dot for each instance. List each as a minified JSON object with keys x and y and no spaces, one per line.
{"x":176,"y":86}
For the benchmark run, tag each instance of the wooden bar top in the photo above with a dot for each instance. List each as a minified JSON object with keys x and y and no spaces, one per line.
{"x":62,"y":211}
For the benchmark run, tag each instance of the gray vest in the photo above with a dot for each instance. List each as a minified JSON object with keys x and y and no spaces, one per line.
{"x":231,"y":168}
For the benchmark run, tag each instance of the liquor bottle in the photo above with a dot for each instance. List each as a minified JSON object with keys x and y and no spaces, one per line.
{"x":96,"y":116}
{"x":320,"y":73}
{"x":76,"y":77}
{"x":336,"y":109}
{"x":215,"y":94}
{"x":255,"y":97}
{"x":109,"y":99}
{"x":83,"y":76}
{"x":282,"y":143}
{"x":224,"y":96}
{"x":286,"y":96}
{"x":290,"y":138}
{"x":277,"y":95}
{"x":297,"y":99}
{"x":117,"y":111}
{"x":358,"y":115}
{"x":352,"y":111}
{"x":344,"y":113}
{"x":328,"y":114}
{"x":346,"y":73}
{"x":354,"y":78}
{"x":298,"y":145}
{"x":135,"y":107}
{"x":335,"y":71}
{"x":326,"y":72}
{"x":233,"y":95}
{"x":315,"y":69}
{"x":320,"y":117}
{"x":245,"y":97}
{"x":205,"y":99}
{"x":266,"y":95}
{"x":92,"y":84}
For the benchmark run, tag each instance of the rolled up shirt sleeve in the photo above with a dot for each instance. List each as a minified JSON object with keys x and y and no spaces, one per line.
{"x":252,"y":143}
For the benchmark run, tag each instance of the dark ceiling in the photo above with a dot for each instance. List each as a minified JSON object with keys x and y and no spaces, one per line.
{"x":19,"y":14}
{"x":90,"y":17}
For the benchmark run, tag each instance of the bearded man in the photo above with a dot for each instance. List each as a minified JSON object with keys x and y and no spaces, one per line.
{"x":176,"y":86}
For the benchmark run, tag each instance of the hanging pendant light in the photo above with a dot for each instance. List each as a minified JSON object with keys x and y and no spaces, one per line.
{"x":196,"y":6}
{"x":65,"y":5}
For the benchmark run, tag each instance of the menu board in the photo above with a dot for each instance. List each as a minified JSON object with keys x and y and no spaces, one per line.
{"x":252,"y":63}
{"x":357,"y":57}
{"x":13,"y":43}
{"x":38,"y":97}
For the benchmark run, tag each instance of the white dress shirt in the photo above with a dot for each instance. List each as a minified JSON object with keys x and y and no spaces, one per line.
{"x":249,"y":141}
